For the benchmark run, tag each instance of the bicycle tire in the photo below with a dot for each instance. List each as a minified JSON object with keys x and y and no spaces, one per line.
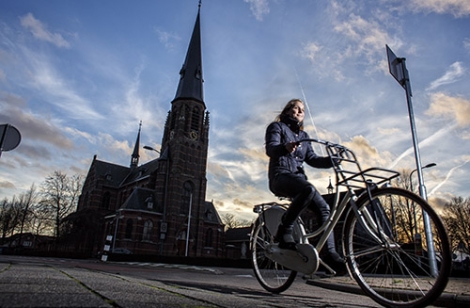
{"x":272,"y":276}
{"x":398,"y":273}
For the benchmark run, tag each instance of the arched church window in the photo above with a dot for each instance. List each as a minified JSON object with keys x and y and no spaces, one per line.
{"x":129,"y":227}
{"x":148,"y":230}
{"x":209,"y":235}
{"x":196,"y":115}
{"x":187,"y":118}
{"x":105,"y":200}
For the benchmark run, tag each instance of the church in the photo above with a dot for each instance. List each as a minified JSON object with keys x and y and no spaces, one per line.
{"x":156,"y":208}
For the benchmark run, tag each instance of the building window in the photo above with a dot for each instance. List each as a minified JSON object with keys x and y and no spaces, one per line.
{"x":149,"y":202}
{"x":186,"y":118}
{"x":105,"y":200}
{"x":208,"y":238}
{"x":195,"y":119}
{"x":129,"y":227}
{"x":148,"y":230}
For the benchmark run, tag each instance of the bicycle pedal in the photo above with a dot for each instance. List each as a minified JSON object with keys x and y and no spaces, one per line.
{"x":304,"y":259}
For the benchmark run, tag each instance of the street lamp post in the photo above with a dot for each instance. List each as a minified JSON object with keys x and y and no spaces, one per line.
{"x":163,"y":223}
{"x":189,"y":224}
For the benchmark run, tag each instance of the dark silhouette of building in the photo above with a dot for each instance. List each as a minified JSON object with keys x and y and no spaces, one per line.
{"x":159,"y":207}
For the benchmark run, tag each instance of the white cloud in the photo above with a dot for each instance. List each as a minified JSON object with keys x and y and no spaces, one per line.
{"x":167,"y":38}
{"x":455,"y":71}
{"x":40,"y":31}
{"x":458,"y":8}
{"x":258,"y":8}
{"x":454,"y":108}
{"x":466,"y":44}
{"x":368,"y":36}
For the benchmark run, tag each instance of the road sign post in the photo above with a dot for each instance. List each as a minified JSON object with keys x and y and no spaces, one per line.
{"x":398,"y":70}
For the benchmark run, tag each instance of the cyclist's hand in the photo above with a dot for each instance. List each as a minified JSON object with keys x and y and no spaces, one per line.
{"x":291,"y":146}
{"x":336,"y":161}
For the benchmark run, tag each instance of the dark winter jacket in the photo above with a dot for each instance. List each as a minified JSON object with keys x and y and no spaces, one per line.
{"x":278,"y":134}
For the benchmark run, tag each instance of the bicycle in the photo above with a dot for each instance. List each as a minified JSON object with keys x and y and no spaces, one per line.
{"x":380,"y":238}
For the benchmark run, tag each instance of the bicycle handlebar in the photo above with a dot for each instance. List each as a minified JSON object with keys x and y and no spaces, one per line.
{"x":354,"y":176}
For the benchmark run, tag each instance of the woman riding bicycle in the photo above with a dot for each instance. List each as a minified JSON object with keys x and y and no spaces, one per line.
{"x":286,"y":174}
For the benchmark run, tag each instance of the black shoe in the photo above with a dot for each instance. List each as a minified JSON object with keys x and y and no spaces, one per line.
{"x":336,"y":257}
{"x":284,"y":238}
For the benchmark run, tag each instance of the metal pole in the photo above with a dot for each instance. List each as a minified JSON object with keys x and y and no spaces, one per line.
{"x":2,"y":139}
{"x":189,"y":223}
{"x":115,"y":230}
{"x":422,"y":188}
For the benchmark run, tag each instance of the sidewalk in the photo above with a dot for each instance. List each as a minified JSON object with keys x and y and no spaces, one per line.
{"x":39,"y":285}
{"x":24,"y":284}
{"x":456,"y":294}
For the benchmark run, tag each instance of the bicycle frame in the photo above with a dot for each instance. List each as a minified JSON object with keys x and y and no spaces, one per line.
{"x":356,"y":178}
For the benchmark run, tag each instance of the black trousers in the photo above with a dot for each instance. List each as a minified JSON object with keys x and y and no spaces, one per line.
{"x":303,"y":195}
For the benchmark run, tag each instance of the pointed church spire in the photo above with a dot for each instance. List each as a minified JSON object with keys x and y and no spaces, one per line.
{"x":135,"y":154}
{"x":190,"y":85}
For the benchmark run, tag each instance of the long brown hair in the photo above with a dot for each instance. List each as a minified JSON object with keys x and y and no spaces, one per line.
{"x":290,"y":104}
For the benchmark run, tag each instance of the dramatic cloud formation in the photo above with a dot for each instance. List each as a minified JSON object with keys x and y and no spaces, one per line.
{"x":77,"y":80}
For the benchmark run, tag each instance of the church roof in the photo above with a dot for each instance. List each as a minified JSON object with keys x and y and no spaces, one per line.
{"x":210,"y":214}
{"x":140,"y":172}
{"x":114,"y":174}
{"x":238,"y":234}
{"x":142,"y":199}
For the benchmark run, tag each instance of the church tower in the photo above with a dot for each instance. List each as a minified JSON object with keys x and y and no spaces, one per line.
{"x":181,"y":174}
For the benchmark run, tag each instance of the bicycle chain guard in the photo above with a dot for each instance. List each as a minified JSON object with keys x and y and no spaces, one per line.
{"x":304,"y":259}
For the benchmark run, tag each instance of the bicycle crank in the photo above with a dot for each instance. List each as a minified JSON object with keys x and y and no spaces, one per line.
{"x":304,"y":259}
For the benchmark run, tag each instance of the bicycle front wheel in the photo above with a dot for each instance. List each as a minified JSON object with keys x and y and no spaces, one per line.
{"x":401,"y":257}
{"x":272,"y":276}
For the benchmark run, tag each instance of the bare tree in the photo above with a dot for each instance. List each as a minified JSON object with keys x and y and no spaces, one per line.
{"x":7,"y":218}
{"x":231,"y":222}
{"x":26,"y":202}
{"x":60,"y":196}
{"x":457,"y":220}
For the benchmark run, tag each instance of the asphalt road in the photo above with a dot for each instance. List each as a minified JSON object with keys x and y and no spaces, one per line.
{"x":48,"y":282}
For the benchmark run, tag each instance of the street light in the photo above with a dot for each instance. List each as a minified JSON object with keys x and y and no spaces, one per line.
{"x":150,"y":149}
{"x":427,"y":166}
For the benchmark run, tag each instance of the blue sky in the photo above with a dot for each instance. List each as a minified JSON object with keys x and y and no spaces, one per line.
{"x":77,"y":77}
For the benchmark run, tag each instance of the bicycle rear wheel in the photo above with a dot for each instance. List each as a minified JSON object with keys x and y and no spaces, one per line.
{"x":398,"y":268}
{"x":272,"y":276}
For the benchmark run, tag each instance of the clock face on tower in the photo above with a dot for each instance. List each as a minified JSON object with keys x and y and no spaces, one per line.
{"x":193,"y":135}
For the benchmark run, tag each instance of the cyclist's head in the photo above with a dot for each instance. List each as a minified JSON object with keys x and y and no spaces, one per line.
{"x":293,"y":109}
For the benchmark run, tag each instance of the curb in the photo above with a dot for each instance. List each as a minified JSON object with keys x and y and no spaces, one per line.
{"x":178,"y":266}
{"x":449,"y":300}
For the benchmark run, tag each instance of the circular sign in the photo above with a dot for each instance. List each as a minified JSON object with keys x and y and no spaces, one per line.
{"x":10,"y":137}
